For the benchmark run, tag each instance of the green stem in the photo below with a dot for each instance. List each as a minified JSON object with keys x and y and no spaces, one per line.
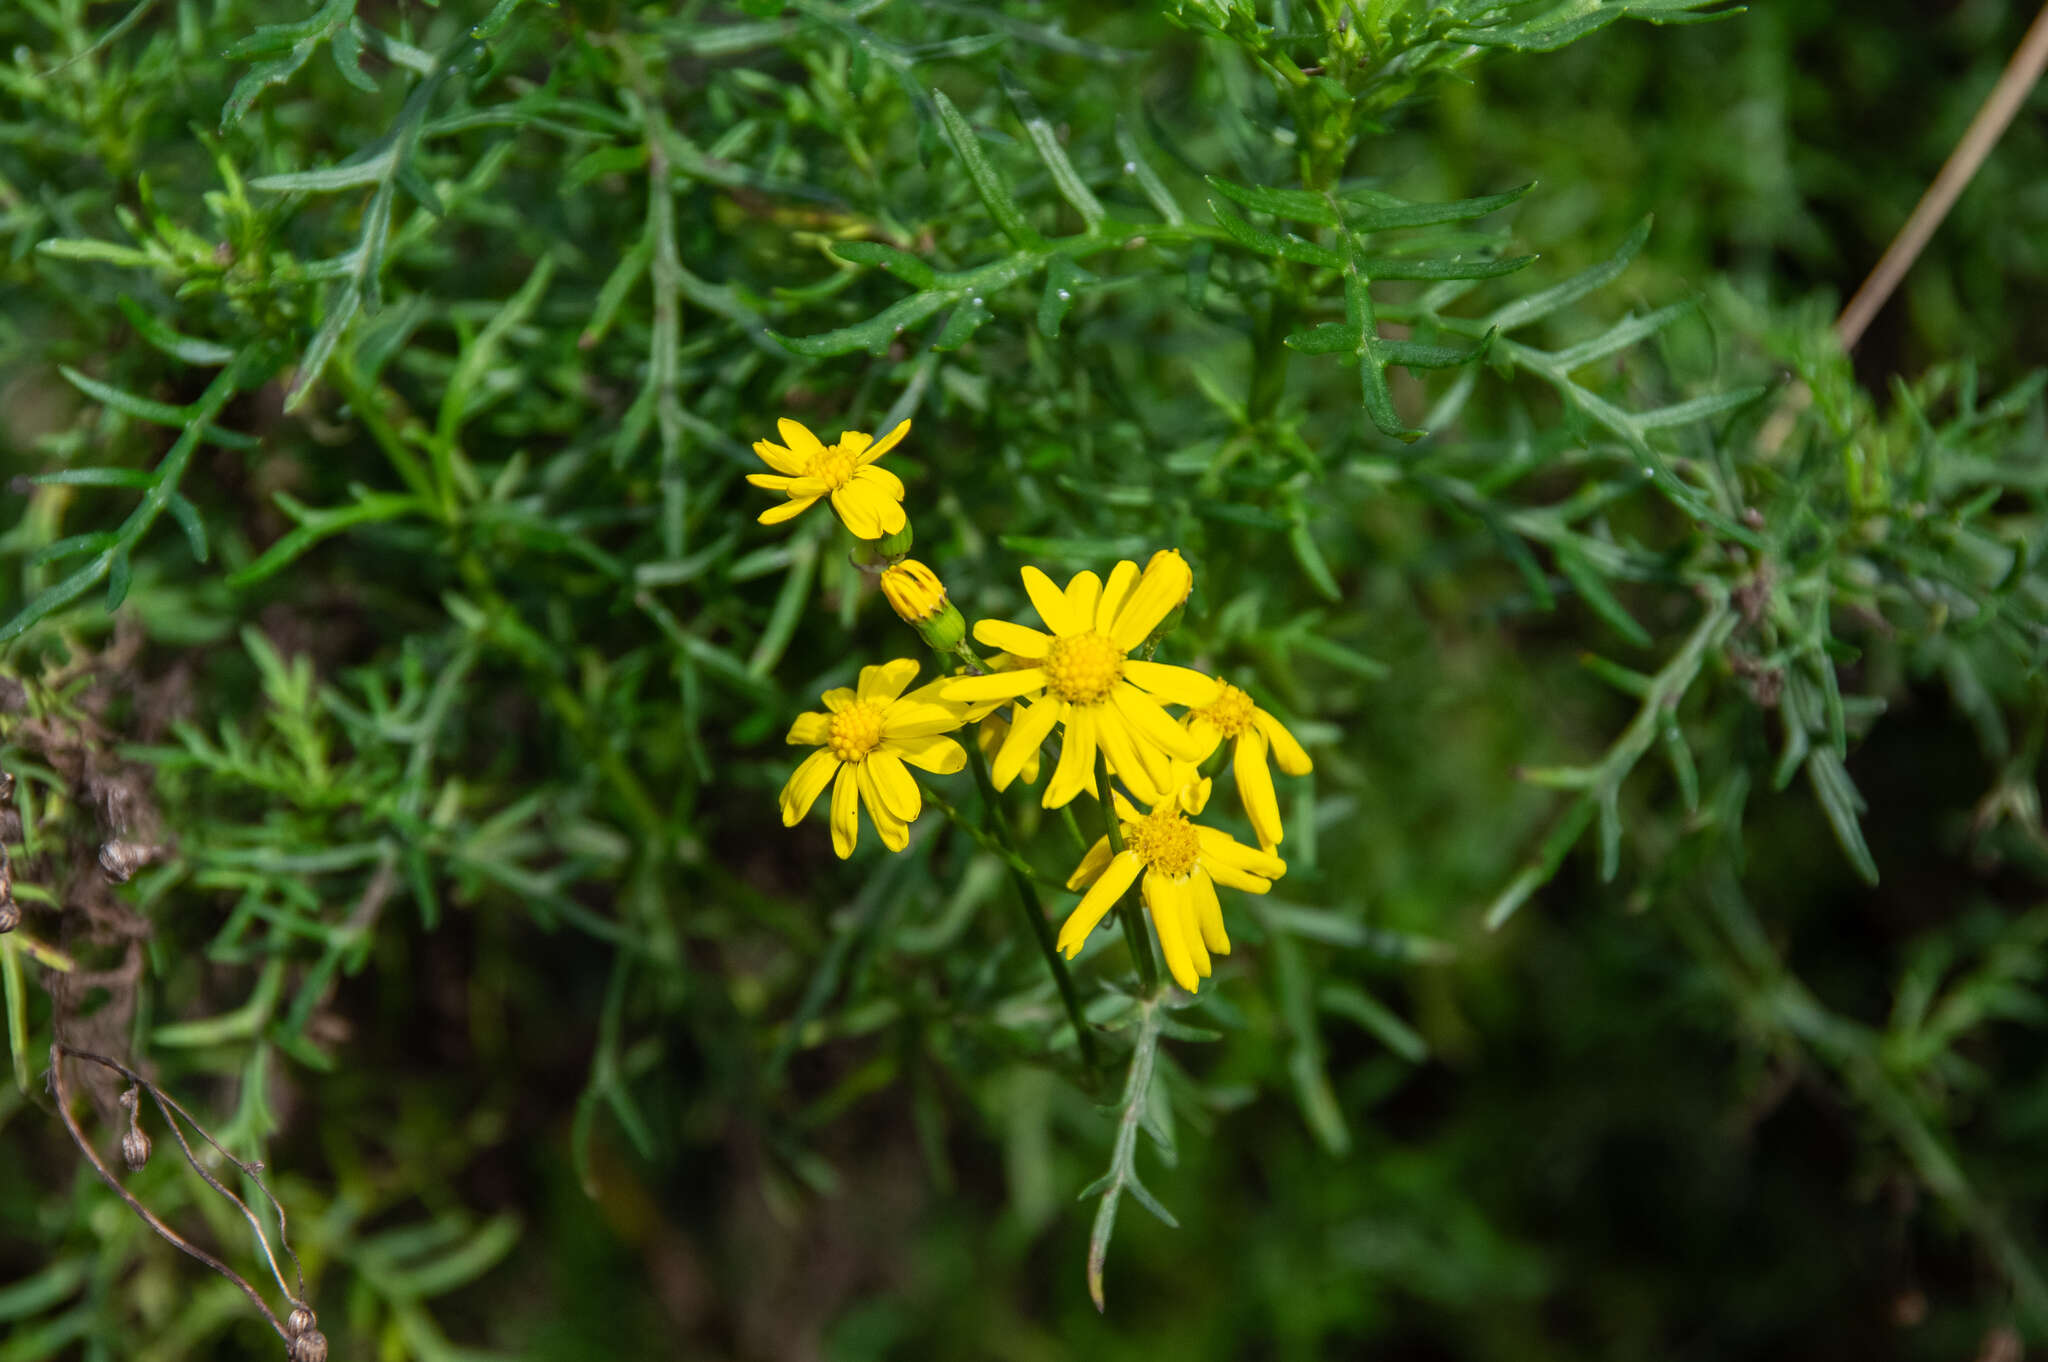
{"x":1128,"y":912}
{"x":1034,"y":910}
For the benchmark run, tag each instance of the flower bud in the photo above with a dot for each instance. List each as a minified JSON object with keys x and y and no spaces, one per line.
{"x":1172,"y":570}
{"x":918,"y":597}
{"x":310,"y":1346}
{"x":299,"y":1321}
{"x":894,"y":546}
{"x":135,"y":1149}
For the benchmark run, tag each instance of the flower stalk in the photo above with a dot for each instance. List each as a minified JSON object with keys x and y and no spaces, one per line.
{"x":1034,"y":908}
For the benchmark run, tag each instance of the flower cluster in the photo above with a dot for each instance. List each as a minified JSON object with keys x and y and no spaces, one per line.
{"x":1084,"y":688}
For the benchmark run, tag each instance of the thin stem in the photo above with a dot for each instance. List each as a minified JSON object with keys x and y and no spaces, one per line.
{"x":1128,"y":912}
{"x":1034,"y":909}
{"x":58,"y":1054}
{"x":1992,"y":119}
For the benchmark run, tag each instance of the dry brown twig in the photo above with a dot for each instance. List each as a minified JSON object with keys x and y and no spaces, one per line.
{"x":1993,"y":117}
{"x":302,"y":1338}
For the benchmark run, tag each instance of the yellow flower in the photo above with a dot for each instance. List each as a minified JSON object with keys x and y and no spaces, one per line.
{"x":868,"y":498}
{"x":1182,"y":864}
{"x":1081,"y":676}
{"x":864,"y":738}
{"x":1254,"y":731}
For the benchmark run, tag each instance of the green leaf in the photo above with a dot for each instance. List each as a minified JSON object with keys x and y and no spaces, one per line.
{"x":1266,"y":243}
{"x":995,"y":195}
{"x":1047,"y":143}
{"x":1369,"y":210}
{"x":1522,"y":311}
{"x":902,"y":264}
{"x":1301,"y":205}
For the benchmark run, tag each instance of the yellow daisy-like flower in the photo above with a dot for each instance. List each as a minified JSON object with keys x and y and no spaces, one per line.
{"x":869,"y":499}
{"x":865,"y":738}
{"x":1082,"y":677}
{"x":1182,"y":863}
{"x":1254,"y":732}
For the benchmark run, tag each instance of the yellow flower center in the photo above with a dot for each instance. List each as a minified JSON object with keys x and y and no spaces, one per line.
{"x":855,"y":731}
{"x":1231,"y":712}
{"x":1081,"y":668}
{"x":1165,"y":841}
{"x":831,"y":466}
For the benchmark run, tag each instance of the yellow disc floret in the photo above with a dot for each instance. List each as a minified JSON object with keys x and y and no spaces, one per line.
{"x":1232,"y":712}
{"x":855,"y":731}
{"x":832,"y":465}
{"x":1164,"y":841}
{"x":1083,"y":668}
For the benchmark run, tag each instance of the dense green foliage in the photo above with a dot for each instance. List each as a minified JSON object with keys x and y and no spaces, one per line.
{"x":395,"y":674}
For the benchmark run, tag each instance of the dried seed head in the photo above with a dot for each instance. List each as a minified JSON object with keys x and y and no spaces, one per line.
{"x":122,"y":859}
{"x":10,"y":914}
{"x":299,"y":1321}
{"x":135,"y":1149}
{"x":310,"y":1346}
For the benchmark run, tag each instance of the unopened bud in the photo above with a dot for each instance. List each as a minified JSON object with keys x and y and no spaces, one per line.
{"x":895,"y":545}
{"x":1173,"y":571}
{"x":1174,"y":578}
{"x":310,"y":1346}
{"x":135,"y":1149}
{"x":299,"y":1321}
{"x":918,"y":597}
{"x":120,"y":860}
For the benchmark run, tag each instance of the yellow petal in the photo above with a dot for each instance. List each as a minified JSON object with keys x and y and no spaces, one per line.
{"x":838,"y":698}
{"x":775,"y":515}
{"x":887,"y":483}
{"x":774,"y":482}
{"x":1033,"y":724}
{"x":1181,"y":685}
{"x":1204,"y":734}
{"x":1220,"y":848}
{"x":1255,"y":788}
{"x":965,"y":690}
{"x":1167,"y":921}
{"x":1115,"y":592}
{"x":852,"y":442}
{"x":897,"y":786}
{"x":1116,"y":877}
{"x":806,"y":784}
{"x":798,"y":437}
{"x":1051,"y":604}
{"x":845,"y":812}
{"x":1127,"y":759}
{"x":1151,"y":723}
{"x":908,"y":718}
{"x":884,"y":445}
{"x":1293,"y":760}
{"x":1156,"y":594}
{"x":894,"y":832}
{"x":810,"y":730}
{"x":1208,"y":912}
{"x":1092,"y":865}
{"x":860,"y":509}
{"x":1082,"y":594}
{"x":1076,"y":771}
{"x":886,"y":682}
{"x":1012,"y":638}
{"x":1235,"y":878}
{"x":940,"y":756}
{"x":780,"y":459}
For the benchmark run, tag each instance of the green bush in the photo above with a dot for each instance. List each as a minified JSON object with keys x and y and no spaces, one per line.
{"x":396,"y":677}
